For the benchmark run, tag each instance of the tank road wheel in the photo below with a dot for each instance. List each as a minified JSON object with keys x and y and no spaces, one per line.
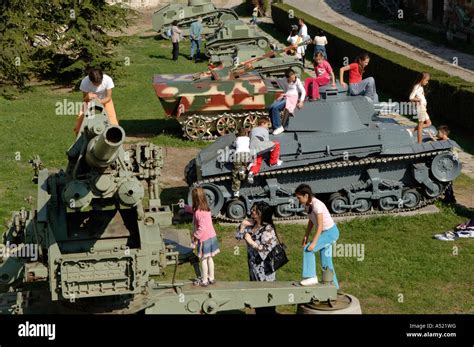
{"x":250,"y":122}
{"x":215,"y":200}
{"x":196,"y":128}
{"x":365,"y":205}
{"x":226,"y":125}
{"x":338,"y":203}
{"x":435,"y":192}
{"x":262,"y":43}
{"x":388,"y":203}
{"x":445,"y":167}
{"x":236,"y":210}
{"x":411,"y":198}
{"x":282,"y":212}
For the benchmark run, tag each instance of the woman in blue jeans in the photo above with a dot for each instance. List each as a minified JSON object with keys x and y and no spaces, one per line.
{"x":326,"y":234}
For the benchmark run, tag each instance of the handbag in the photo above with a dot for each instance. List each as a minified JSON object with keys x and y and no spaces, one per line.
{"x":276,"y":258}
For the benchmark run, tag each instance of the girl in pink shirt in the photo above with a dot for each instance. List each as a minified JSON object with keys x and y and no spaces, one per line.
{"x":326,"y":234}
{"x":204,"y":236}
{"x":324,"y":74}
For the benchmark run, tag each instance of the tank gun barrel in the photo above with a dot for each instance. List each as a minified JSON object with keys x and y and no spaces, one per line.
{"x":102,"y":150}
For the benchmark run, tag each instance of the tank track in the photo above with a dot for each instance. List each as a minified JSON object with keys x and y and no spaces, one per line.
{"x":204,"y":127}
{"x":336,"y":165}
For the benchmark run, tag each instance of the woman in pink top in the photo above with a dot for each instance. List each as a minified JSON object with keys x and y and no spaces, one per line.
{"x":324,"y":74}
{"x":326,"y":234}
{"x":204,"y":236}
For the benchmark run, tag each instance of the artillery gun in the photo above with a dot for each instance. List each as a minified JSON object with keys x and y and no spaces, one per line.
{"x":220,"y":101}
{"x":354,"y":164}
{"x":99,"y":240}
{"x":187,"y":12}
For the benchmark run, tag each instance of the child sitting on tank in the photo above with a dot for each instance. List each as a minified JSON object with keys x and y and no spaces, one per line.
{"x":260,"y":144}
{"x":324,"y":75}
{"x":442,"y":135}
{"x":294,"y":97}
{"x":241,"y":159}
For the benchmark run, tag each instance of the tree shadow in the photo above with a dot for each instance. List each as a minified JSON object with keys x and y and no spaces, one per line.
{"x":151,"y":127}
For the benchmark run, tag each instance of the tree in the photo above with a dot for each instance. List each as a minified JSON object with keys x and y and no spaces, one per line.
{"x":58,"y":39}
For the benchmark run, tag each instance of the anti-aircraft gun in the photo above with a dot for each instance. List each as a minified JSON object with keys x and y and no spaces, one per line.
{"x":99,"y":234}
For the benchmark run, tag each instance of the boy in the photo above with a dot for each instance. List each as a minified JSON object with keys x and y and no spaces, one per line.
{"x":260,"y":143}
{"x":443,"y":133}
{"x":241,"y":159}
{"x":294,"y":97}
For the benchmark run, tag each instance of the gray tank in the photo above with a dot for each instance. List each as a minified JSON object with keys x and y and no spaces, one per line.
{"x":355,"y":164}
{"x":186,"y":12}
{"x":233,"y":33}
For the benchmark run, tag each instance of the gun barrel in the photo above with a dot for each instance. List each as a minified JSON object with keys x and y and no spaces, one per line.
{"x":103,"y":149}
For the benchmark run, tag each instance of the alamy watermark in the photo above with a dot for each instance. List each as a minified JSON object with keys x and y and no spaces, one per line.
{"x":406,"y":108}
{"x":346,"y":250}
{"x":228,"y":155}
{"x":25,"y":250}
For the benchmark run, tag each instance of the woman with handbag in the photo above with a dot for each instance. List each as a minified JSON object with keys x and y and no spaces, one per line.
{"x":326,"y":234}
{"x":260,"y":236}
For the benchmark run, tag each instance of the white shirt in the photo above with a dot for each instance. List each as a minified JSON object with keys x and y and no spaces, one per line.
{"x":242,"y":144}
{"x":101,"y":90}
{"x":295,"y":88}
{"x":303,"y":33}
{"x":320,"y":40}
{"x":419,"y":92}
{"x":296,"y":40}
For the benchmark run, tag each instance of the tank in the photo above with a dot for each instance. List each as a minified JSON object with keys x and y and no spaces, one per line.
{"x":355,"y":164}
{"x":233,"y":33}
{"x":186,"y":12}
{"x":219,"y":102}
{"x":100,"y":241}
{"x":273,"y":67}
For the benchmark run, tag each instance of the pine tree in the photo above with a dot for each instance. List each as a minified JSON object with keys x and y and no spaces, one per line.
{"x":58,"y":39}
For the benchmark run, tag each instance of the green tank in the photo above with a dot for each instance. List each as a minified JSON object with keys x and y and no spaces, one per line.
{"x":186,"y":12}
{"x":233,"y":33}
{"x":99,"y":240}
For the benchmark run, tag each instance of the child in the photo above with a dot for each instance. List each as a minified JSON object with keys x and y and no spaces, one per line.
{"x":320,"y":42}
{"x":175,"y":38}
{"x":204,"y":236}
{"x":357,"y":85}
{"x":418,"y":96}
{"x":293,"y":87}
{"x":260,"y":143}
{"x":443,"y":133}
{"x":294,"y":39}
{"x":241,"y":159}
{"x":323,"y":72}
{"x":256,"y":9}
{"x":97,"y":85}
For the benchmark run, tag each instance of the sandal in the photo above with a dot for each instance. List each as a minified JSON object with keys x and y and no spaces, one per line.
{"x":212,"y":282}
{"x":200,"y":283}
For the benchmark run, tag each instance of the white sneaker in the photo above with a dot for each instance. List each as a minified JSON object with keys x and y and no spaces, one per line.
{"x":236,"y":194}
{"x":309,"y":281}
{"x":250,"y":178}
{"x":279,"y":162}
{"x":278,"y":131}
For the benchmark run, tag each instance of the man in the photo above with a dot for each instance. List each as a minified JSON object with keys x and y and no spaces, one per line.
{"x":294,"y":97}
{"x":196,"y":37}
{"x":303,"y":33}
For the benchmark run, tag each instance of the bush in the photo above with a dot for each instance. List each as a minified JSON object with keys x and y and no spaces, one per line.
{"x":448,"y":97}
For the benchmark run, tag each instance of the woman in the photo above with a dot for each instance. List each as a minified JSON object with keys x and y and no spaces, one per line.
{"x":259,"y":234}
{"x":175,"y":38}
{"x":326,"y":234}
{"x":294,"y":39}
{"x":357,"y":85}
{"x":320,"y":41}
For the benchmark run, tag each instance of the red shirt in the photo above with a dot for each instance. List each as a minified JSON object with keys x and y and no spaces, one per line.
{"x":354,"y":74}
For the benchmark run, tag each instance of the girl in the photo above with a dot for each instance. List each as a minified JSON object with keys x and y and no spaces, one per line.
{"x":324,"y":74}
{"x":418,"y":96}
{"x":294,"y":39}
{"x":357,"y":85}
{"x":175,"y":38}
{"x":260,"y":236}
{"x":320,"y":42}
{"x":204,"y":236}
{"x":326,"y":234}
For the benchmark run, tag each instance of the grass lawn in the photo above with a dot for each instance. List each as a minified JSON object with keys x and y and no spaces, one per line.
{"x":400,"y":257}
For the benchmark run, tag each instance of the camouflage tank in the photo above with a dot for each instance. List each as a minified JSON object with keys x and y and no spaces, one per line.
{"x":233,"y":33}
{"x":274,"y":67}
{"x":354,"y":164}
{"x":186,"y":12}
{"x":99,"y":240}
{"x":221,"y":101}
